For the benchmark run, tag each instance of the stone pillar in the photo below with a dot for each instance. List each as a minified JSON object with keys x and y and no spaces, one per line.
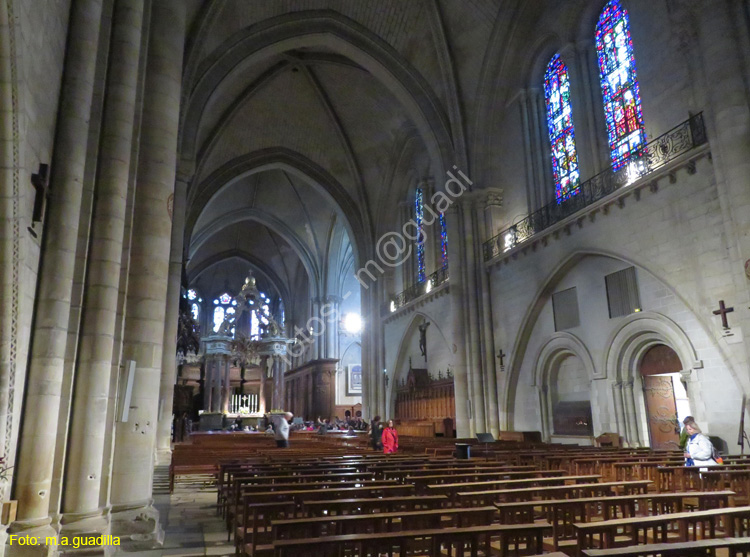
{"x":169,"y":362}
{"x":468,"y":240}
{"x":464,"y":408}
{"x":544,"y":412}
{"x":206,"y":384}
{"x":226,"y":390}
{"x":728,"y":122}
{"x":277,"y":399}
{"x":262,"y":387}
{"x":332,"y":318}
{"x":215,"y":384}
{"x":49,"y":336}
{"x":407,"y":267}
{"x":619,"y":410}
{"x":493,"y":212}
{"x":631,"y":417}
{"x":85,"y":496}
{"x":132,"y":511}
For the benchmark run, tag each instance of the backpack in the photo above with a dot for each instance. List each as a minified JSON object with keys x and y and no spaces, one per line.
{"x":715,"y":455}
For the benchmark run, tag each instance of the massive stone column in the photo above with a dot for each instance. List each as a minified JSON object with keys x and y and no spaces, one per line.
{"x":49,"y":336}
{"x":262,"y":388}
{"x":332,"y":318}
{"x":728,"y":120}
{"x":226,"y":386}
{"x":85,"y":491}
{"x":132,"y":510}
{"x":464,"y":411}
{"x":206,"y":369}
{"x":277,"y":398}
{"x":169,"y":362}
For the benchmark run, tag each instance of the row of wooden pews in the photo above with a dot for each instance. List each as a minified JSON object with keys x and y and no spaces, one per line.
{"x":322,"y":498}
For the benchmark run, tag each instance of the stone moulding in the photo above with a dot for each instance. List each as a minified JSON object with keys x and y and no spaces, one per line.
{"x":616,"y":199}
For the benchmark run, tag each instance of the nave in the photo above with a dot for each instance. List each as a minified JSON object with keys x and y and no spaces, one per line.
{"x":335,"y":496}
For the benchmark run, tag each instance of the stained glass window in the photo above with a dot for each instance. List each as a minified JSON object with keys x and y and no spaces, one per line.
{"x":257,"y":319}
{"x":218,"y":318}
{"x":443,"y":239}
{"x":561,"y":132}
{"x":419,"y":212}
{"x":225,"y":298}
{"x":195,"y":310}
{"x":192,"y":294}
{"x":622,"y":99}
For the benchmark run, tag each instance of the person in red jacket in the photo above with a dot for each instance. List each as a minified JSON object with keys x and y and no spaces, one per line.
{"x":390,"y":439}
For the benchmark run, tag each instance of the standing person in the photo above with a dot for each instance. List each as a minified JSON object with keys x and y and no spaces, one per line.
{"x":281,"y":433}
{"x":376,"y":432}
{"x":390,"y":439}
{"x":699,"y":447}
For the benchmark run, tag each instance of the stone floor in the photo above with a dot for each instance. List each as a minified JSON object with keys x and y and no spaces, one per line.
{"x":189,"y":520}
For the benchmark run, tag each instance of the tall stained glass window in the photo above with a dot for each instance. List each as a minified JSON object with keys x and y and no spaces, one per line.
{"x":223,"y":310}
{"x":443,"y":239}
{"x":622,"y":99}
{"x":561,"y":132}
{"x":419,"y":212}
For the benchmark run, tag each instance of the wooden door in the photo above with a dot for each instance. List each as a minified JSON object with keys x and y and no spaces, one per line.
{"x":663,"y":426}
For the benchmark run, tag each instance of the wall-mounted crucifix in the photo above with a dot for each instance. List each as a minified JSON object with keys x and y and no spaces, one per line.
{"x":501,"y":356}
{"x":723,"y":312}
{"x":423,"y":339}
{"x":40,"y":181}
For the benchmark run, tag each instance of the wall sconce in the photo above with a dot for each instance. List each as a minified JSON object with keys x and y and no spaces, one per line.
{"x":385,"y":376}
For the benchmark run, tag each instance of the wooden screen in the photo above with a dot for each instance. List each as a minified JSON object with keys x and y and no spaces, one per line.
{"x":425,"y":406}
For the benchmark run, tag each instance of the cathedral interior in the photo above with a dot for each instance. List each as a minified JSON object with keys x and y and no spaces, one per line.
{"x":469,"y":216}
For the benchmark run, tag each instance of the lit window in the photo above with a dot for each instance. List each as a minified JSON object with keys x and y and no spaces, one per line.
{"x":622,"y":100}
{"x":419,"y":212}
{"x":560,"y":127}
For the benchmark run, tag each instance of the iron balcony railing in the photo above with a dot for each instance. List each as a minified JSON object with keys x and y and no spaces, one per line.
{"x":420,"y":289}
{"x":662,"y":150}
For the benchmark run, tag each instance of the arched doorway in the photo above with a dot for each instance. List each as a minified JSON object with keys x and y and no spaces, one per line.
{"x":665,"y":395}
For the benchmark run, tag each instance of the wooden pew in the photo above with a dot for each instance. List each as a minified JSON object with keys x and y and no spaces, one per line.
{"x":381,"y":522}
{"x":564,"y":513}
{"x":480,"y":498}
{"x":451,"y":489}
{"x":701,"y":548}
{"x":475,"y":537}
{"x":334,"y":507}
{"x":685,"y":526}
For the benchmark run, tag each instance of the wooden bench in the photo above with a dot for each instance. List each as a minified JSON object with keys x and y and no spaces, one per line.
{"x":564,"y":513}
{"x":381,"y":522}
{"x":683,"y":527}
{"x":334,"y":507}
{"x":700,"y":548}
{"x":575,"y":491}
{"x":360,"y":545}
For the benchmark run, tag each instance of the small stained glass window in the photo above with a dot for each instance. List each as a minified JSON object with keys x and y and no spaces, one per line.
{"x":419,"y":212}
{"x":218,"y":318}
{"x":443,"y":239}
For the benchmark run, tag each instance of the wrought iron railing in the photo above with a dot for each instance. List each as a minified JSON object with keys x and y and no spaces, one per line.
{"x":420,"y":289}
{"x":677,"y":141}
